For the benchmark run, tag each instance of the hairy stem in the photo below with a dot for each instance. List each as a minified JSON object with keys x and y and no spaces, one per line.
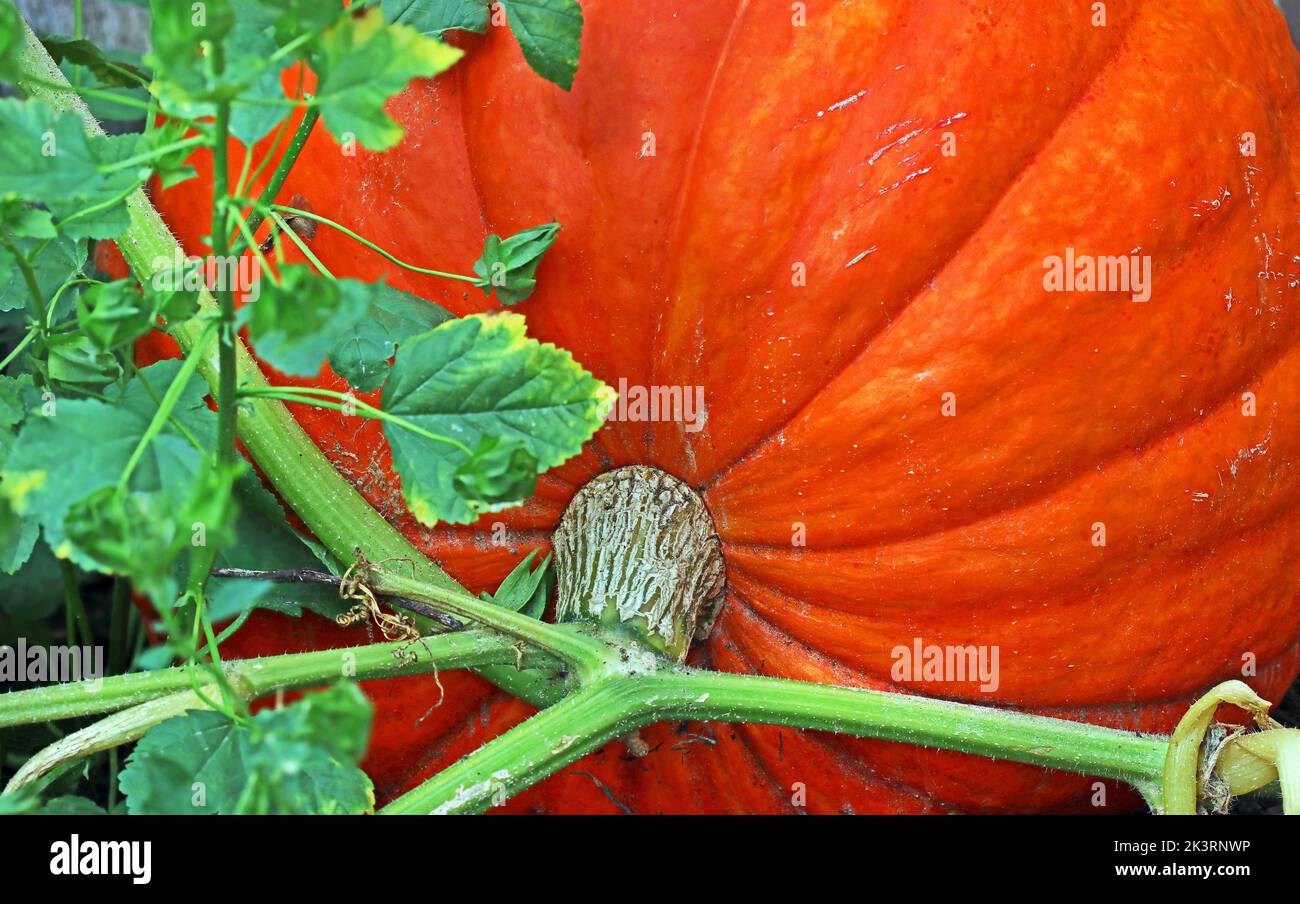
{"x":620,"y":703}
{"x":257,"y":677}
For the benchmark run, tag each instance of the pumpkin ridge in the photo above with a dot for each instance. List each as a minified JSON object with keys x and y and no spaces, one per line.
{"x":1173,"y":429}
{"x":469,"y":156}
{"x":867,"y":341}
{"x":845,"y":673}
{"x":1116,"y":715}
{"x":697,"y":134}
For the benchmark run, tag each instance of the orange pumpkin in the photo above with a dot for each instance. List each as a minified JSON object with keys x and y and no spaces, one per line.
{"x":841,"y":228}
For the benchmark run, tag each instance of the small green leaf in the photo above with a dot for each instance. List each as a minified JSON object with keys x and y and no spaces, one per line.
{"x":113,"y":315}
{"x":435,"y":17}
{"x":130,"y":534}
{"x":361,"y":355}
{"x":100,"y":437}
{"x":22,"y":219}
{"x":75,"y":360}
{"x":499,"y":471}
{"x":301,"y":759}
{"x":477,"y":377}
{"x":550,"y":34}
{"x":362,"y":62}
{"x":173,"y":291}
{"x":526,"y":589}
{"x":71,"y":805}
{"x":295,"y":325}
{"x":509,"y":268}
{"x":81,"y":52}
{"x":56,"y":262}
{"x":171,"y":167}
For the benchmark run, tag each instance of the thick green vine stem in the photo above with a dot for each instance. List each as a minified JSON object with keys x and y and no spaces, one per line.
{"x":632,"y":697}
{"x":336,"y":513}
{"x":145,"y":699}
{"x":258,"y":677}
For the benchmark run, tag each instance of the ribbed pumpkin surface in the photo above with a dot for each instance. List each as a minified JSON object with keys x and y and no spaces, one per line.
{"x":780,"y":151}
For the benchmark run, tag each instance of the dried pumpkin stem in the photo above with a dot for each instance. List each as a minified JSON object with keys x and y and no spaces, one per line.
{"x":1182,"y":774}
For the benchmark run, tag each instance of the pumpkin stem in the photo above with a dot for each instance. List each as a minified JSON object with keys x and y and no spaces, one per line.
{"x":636,"y":547}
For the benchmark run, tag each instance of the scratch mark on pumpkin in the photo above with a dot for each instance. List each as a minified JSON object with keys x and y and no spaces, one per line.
{"x":847,"y":102}
{"x":901,"y":182}
{"x":861,"y":257}
{"x":1259,"y":450}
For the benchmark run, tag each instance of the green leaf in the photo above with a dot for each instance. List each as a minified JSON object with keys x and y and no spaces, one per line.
{"x":107,"y":107}
{"x":479,"y":377}
{"x":76,"y":361}
{"x":296,"y":17}
{"x":526,"y":589}
{"x":33,"y":588}
{"x":130,"y":534}
{"x":509,"y":267}
{"x":183,"y":73}
{"x":99,"y":211}
{"x":46,"y":155}
{"x":71,"y":805}
{"x":173,"y":291}
{"x":50,"y":159}
{"x":100,"y":437}
{"x":295,"y":325}
{"x":297,"y":760}
{"x":81,"y":52}
{"x":263,"y":540}
{"x":362,"y":62}
{"x":12,"y":41}
{"x":246,"y":31}
{"x":361,"y":355}
{"x":499,"y":471}
{"x":550,"y":34}
{"x":56,"y":262}
{"x":22,"y":219}
{"x":255,"y":33}
{"x":113,"y":315}
{"x":171,"y":166}
{"x":434,"y":17}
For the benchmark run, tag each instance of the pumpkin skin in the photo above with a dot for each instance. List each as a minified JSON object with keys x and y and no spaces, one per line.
{"x":780,"y":149}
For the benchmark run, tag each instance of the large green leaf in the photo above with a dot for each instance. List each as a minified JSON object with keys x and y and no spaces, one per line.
{"x":100,"y":438}
{"x":481,"y":378}
{"x":46,"y":155}
{"x":298,"y":760}
{"x":362,"y":61}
